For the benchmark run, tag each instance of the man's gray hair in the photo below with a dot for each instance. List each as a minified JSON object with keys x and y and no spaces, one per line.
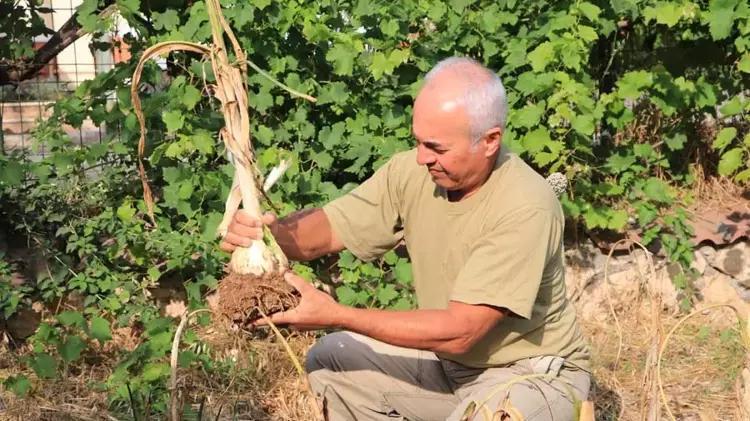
{"x":484,"y":97}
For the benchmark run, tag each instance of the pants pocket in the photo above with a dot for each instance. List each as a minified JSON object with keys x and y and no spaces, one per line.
{"x":420,"y":407}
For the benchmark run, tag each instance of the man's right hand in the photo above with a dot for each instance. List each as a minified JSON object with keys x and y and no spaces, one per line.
{"x":244,"y":229}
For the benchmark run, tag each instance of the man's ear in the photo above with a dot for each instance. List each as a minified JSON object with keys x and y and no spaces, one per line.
{"x":492,"y":139}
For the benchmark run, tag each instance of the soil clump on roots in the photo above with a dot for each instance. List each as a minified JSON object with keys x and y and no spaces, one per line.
{"x":243,"y":299}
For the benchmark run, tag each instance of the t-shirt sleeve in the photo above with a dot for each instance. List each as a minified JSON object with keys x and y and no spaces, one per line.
{"x":506,"y":265}
{"x":367,"y":220}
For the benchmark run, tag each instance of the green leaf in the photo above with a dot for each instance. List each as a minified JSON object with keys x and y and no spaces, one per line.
{"x":743,"y":175}
{"x":72,"y":318}
{"x":720,"y":18}
{"x":617,"y":220}
{"x":203,"y":142}
{"x":174,"y":120}
{"x":398,"y":57}
{"x":724,"y":138}
{"x":589,"y":10}
{"x":528,"y":116}
{"x":389,"y":27}
{"x":190,"y":97}
{"x":587,"y":33}
{"x":657,"y":190}
{"x":730,"y":161}
{"x":379,"y":65}
{"x":744,"y":64}
{"x":126,"y":211}
{"x":386,"y":294}
{"x":402,"y":272}
{"x":154,"y":371}
{"x":346,"y":295}
{"x":130,"y":6}
{"x":459,"y":5}
{"x":342,"y":56}
{"x":19,"y":385}
{"x":595,"y":217}
{"x":583,"y":124}
{"x":99,"y":329}
{"x":619,"y":163}
{"x":261,"y":4}
{"x":536,"y":140}
{"x":44,"y":365}
{"x":11,"y":173}
{"x":71,"y":349}
{"x":541,"y":56}
{"x":676,"y":142}
{"x":666,"y":13}
{"x":731,"y":107}
{"x":210,"y":224}
{"x":167,"y":20}
{"x":335,"y":92}
{"x":631,"y":84}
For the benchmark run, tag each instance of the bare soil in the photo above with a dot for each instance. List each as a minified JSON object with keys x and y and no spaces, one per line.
{"x":244,"y":299}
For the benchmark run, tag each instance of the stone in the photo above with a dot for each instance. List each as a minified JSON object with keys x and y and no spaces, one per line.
{"x":708,"y":252}
{"x":23,"y":323}
{"x":665,"y":287}
{"x":700,"y":263}
{"x":719,"y":290}
{"x":735,"y":261}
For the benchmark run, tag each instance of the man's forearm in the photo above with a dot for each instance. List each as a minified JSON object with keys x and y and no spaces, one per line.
{"x":305,"y":235}
{"x":433,"y":330}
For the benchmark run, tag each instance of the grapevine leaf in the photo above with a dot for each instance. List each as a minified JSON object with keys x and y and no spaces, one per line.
{"x":99,"y":329}
{"x":631,"y":84}
{"x":402,"y":272}
{"x":730,"y":161}
{"x":590,"y":11}
{"x":44,"y":365}
{"x":71,"y":348}
{"x":154,"y":371}
{"x":541,"y":56}
{"x":720,"y":18}
{"x":71,"y":318}
{"x":724,"y":138}
{"x":617,"y":220}
{"x":19,"y":385}
{"x":731,"y":107}
{"x":386,"y":294}
{"x":174,"y":120}
{"x":190,"y":97}
{"x":744,"y":64}
{"x":342,"y":57}
{"x":676,"y":142}
{"x":346,"y":295}
{"x":657,"y":190}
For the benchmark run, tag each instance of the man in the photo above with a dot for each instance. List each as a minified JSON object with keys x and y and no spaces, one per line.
{"x":494,"y":332}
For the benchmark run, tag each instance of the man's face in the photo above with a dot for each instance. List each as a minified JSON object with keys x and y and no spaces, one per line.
{"x":441,"y":129}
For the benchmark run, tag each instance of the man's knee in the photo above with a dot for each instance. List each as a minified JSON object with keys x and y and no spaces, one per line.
{"x":336,"y":352}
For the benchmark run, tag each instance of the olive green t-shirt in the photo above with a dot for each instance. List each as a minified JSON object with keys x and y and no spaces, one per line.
{"x":501,"y":246}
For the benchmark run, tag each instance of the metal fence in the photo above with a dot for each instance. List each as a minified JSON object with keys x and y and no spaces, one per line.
{"x":24,"y":104}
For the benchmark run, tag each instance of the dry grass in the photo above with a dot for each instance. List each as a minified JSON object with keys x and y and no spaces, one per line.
{"x":700,"y":368}
{"x":259,"y":382}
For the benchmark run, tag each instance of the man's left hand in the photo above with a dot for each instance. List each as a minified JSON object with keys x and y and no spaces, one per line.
{"x":316,"y":310}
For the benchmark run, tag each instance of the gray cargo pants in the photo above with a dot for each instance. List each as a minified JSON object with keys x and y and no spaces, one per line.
{"x":359,"y":378}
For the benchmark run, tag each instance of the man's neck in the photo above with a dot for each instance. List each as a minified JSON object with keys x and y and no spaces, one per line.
{"x":465,"y":193}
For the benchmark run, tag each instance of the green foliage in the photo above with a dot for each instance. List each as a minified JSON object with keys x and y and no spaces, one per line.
{"x":21,"y":23}
{"x":611,"y":93}
{"x":19,"y":385}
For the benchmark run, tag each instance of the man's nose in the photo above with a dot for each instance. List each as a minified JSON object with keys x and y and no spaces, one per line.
{"x":424,"y":156}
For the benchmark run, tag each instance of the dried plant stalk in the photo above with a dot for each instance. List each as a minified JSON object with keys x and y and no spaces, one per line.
{"x":261,"y":265}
